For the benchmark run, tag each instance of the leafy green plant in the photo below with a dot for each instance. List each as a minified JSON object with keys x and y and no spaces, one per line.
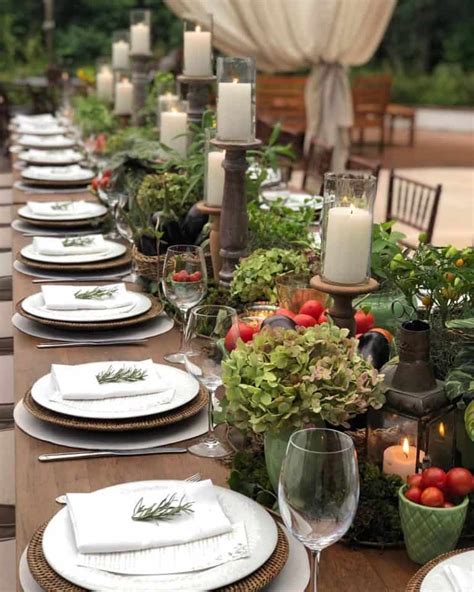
{"x":293,"y":378}
{"x":126,"y":138}
{"x":278,"y":227}
{"x":249,"y":476}
{"x":384,"y":248}
{"x":130,"y":166}
{"x":93,"y":116}
{"x":166,"y":193}
{"x":254,"y":278}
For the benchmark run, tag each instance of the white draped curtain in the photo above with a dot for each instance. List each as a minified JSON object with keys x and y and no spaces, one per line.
{"x":326,"y":36}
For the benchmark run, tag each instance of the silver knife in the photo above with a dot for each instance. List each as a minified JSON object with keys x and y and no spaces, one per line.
{"x":105,"y":453}
{"x":106,"y":278}
{"x":91,"y":343}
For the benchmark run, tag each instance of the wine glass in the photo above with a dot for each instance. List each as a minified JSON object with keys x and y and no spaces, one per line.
{"x":318,"y":490}
{"x":122,"y":223}
{"x":204,"y":341}
{"x":111,"y":199}
{"x":184,"y":282}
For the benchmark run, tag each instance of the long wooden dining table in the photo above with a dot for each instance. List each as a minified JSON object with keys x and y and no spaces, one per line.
{"x":38,"y":484}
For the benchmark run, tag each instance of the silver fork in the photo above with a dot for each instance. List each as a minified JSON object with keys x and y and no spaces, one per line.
{"x":61,"y":499}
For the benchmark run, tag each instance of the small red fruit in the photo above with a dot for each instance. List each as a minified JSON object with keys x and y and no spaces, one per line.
{"x":304,"y":320}
{"x":242,"y":330}
{"x":107,"y":174}
{"x":415,"y":480}
{"x":448,"y":505}
{"x":414,"y":494}
{"x":433,"y":477}
{"x":433,"y":497}
{"x":195,"y":277}
{"x":323,"y":318}
{"x":313,"y":308}
{"x":180,"y":276}
{"x":95,"y":183}
{"x":388,"y":336}
{"x":285,"y":312}
{"x":364,"y":321}
{"x":459,"y":482}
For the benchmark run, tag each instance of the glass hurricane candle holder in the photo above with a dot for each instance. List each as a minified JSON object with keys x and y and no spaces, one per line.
{"x":197,"y":40}
{"x":121,"y":50}
{"x":104,"y":80}
{"x":140,"y":32}
{"x":214,"y":173}
{"x":347,"y":228}
{"x":236,"y":99}
{"x":174,"y":126}
{"x":165,"y":102}
{"x":123,"y":94}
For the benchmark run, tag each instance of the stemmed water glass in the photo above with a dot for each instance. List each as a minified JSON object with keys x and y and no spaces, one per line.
{"x":204,"y":341}
{"x":318,"y":490}
{"x":122,"y":223}
{"x":111,"y":198}
{"x":184,"y":283}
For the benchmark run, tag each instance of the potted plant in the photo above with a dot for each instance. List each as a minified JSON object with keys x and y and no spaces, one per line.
{"x":284,"y":380}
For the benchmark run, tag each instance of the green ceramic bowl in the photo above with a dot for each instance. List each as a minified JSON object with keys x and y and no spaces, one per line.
{"x":429,"y":532}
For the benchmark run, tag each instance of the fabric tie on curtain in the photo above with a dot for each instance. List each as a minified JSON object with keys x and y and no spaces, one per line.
{"x":325,"y":36}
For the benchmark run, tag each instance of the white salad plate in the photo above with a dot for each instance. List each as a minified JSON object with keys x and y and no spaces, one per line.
{"x":40,"y":129}
{"x":292,"y":199}
{"x":96,"y":210}
{"x":58,"y":174}
{"x":185,"y":386}
{"x":34,"y":305}
{"x":436,"y":579}
{"x":51,"y":157}
{"x":114,"y":250}
{"x":46,"y":142}
{"x":60,"y":550}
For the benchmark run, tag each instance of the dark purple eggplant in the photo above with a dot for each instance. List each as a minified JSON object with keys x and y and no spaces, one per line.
{"x":375,"y":348}
{"x":193,"y":224}
{"x":279,"y":321}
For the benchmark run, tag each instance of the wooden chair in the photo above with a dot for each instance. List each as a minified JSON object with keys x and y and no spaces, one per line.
{"x":370,"y":97}
{"x":413,"y":204}
{"x":395,"y":111}
{"x":358,"y":163}
{"x":316,"y":163}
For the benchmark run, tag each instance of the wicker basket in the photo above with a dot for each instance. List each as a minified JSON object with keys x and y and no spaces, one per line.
{"x":148,"y":266}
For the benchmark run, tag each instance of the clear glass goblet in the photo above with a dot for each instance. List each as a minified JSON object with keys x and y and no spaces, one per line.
{"x":318,"y":489}
{"x":122,"y":223}
{"x":205,"y":333}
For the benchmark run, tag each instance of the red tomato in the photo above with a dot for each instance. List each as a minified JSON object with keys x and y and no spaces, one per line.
{"x":364,"y":321}
{"x":448,"y":505}
{"x":459,"y":482}
{"x":95,"y":183}
{"x":413,"y":494}
{"x":433,"y":497}
{"x":433,"y":477}
{"x":323,"y":318}
{"x":304,"y":320}
{"x":415,"y":480}
{"x":313,"y":308}
{"x":242,"y":330}
{"x":107,"y":174}
{"x":195,"y":277}
{"x":388,"y":336}
{"x":104,"y":181}
{"x":285,"y":312}
{"x":180,"y":276}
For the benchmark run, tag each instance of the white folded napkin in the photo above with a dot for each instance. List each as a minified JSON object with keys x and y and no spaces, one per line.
{"x":51,"y":155}
{"x":91,"y":243}
{"x":32,"y":140}
{"x":39,"y":118}
{"x":73,"y":171}
{"x":49,"y":208}
{"x":69,"y":297}
{"x":460,"y":578}
{"x":102,"y":521}
{"x":80,"y":381}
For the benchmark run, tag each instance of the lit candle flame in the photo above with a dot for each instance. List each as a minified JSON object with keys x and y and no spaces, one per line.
{"x":198,"y":29}
{"x":405,"y":447}
{"x":442,"y":430}
{"x":235,"y":80}
{"x":174,"y":110}
{"x":125,"y":80}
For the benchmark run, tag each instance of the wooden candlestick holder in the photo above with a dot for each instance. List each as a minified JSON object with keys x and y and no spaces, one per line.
{"x":214,"y":214}
{"x":197,"y":95}
{"x":342,"y":311}
{"x":140,"y":65}
{"x":234,"y":217}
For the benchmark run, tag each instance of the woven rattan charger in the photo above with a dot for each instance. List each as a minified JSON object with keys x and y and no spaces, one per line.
{"x":78,"y":223}
{"x":56,"y":183}
{"x":147,"y":422}
{"x":119,"y":261}
{"x":414,"y":585}
{"x":48,"y":579}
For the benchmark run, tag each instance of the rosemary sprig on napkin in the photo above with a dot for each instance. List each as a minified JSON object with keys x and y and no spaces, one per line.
{"x":123,"y":374}
{"x":165,"y":510}
{"x":64,"y":205}
{"x":95,"y":293}
{"x":78,"y":241}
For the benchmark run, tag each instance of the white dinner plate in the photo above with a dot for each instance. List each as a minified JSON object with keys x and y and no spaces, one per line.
{"x":292,"y":199}
{"x":60,"y":550}
{"x":114,"y":250}
{"x":96,"y":210}
{"x":34,"y":305}
{"x":58,"y":174}
{"x":45,"y":142}
{"x":37,"y":129}
{"x":436,"y":580}
{"x":186,"y":387}
{"x":51,"y":157}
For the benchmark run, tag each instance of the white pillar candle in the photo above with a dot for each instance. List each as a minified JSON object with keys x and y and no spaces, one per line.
{"x":123,"y":97}
{"x":120,"y":51}
{"x":163,"y":104}
{"x":140,"y":39}
{"x":401,"y":460}
{"x":197,"y":53}
{"x":215,"y":178}
{"x":174,"y":124}
{"x":234,"y":111}
{"x":105,"y":83}
{"x":347,"y":245}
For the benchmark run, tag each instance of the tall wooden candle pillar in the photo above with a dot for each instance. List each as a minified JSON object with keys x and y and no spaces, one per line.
{"x":197,"y":95}
{"x":234,"y":217}
{"x":140,"y":64}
